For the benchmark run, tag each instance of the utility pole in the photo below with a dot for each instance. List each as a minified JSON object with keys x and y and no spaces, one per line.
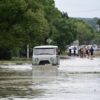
{"x":27,"y":51}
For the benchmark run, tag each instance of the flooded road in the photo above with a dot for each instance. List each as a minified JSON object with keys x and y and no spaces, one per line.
{"x":75,"y":79}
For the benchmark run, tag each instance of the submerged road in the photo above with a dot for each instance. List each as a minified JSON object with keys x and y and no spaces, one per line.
{"x":75,"y":79}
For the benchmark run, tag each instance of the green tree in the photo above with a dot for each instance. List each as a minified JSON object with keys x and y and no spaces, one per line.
{"x":96,"y":39}
{"x":22,"y":23}
{"x":85,"y":33}
{"x":11,"y":12}
{"x":65,"y":32}
{"x":98,"y":22}
{"x":90,"y":21}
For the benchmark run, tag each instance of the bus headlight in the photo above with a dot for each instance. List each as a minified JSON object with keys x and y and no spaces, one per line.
{"x":52,"y":59}
{"x":36,"y":59}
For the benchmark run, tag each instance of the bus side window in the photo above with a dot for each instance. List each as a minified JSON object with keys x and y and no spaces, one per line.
{"x":56,"y":51}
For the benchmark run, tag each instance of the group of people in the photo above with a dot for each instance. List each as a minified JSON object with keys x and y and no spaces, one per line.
{"x":83,"y":52}
{"x":86,"y":52}
{"x":70,"y":48}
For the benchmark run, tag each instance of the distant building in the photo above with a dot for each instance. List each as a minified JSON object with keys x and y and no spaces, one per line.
{"x":75,"y":43}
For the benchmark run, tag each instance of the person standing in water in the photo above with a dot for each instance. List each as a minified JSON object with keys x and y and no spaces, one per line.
{"x":84,"y":52}
{"x":70,"y":48}
{"x":87,"y":51}
{"x":91,"y":50}
{"x":74,"y":51}
{"x":81,"y":52}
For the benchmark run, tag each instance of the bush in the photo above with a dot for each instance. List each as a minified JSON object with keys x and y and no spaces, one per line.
{"x":5,"y":54}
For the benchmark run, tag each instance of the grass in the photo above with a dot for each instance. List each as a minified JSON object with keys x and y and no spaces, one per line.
{"x":16,"y":60}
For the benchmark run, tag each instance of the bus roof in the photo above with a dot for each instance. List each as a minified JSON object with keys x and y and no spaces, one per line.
{"x":46,"y":46}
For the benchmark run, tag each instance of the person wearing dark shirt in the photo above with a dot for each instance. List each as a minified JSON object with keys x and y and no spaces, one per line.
{"x":74,"y":50}
{"x":91,"y":50}
{"x":58,"y":52}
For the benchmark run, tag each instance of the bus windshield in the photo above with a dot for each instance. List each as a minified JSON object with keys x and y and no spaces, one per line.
{"x":44,"y":51}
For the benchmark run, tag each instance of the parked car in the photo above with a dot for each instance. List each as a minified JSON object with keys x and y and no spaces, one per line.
{"x":89,"y":46}
{"x":98,"y":48}
{"x":95,"y":48}
{"x":72,"y":50}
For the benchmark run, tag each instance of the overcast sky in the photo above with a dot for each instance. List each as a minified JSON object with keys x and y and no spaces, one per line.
{"x":79,"y":8}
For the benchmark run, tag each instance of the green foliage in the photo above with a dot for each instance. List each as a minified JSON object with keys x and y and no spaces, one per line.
{"x":21,"y":22}
{"x":31,"y":22}
{"x":65,"y":31}
{"x":96,"y":39}
{"x":5,"y":53}
{"x":11,"y":12}
{"x":90,"y":21}
{"x":85,"y":33}
{"x":49,"y":9}
{"x":98,"y":22}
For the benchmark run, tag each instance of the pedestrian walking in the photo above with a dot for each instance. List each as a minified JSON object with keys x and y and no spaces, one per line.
{"x":74,"y":51}
{"x":91,"y":50}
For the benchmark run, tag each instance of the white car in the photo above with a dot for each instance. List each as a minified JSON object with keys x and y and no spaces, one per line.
{"x":98,"y":48}
{"x":95,"y":48}
{"x":72,"y":50}
{"x":89,"y":46}
{"x":44,"y":55}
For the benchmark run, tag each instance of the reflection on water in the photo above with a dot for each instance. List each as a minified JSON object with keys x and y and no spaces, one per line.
{"x":14,"y":82}
{"x":21,"y":83}
{"x":75,"y":79}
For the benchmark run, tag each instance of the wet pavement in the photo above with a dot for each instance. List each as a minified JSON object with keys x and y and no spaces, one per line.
{"x":75,"y":79}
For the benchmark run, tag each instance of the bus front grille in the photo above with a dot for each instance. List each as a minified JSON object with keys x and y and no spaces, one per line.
{"x":44,"y":62}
